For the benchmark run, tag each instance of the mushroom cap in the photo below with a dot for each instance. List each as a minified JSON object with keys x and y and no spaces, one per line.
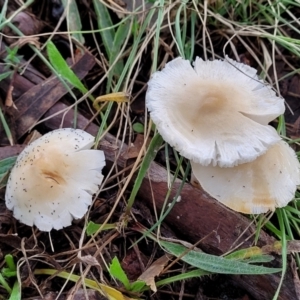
{"x":268,"y":182}
{"x":215,"y":113}
{"x":54,"y":179}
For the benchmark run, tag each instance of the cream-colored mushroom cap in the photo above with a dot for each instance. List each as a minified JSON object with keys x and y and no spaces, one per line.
{"x":268,"y":182}
{"x":54,"y":179}
{"x":215,"y":113}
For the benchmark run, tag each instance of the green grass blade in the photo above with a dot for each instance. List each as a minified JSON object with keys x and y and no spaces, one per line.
{"x":93,"y":227}
{"x":3,"y":11}
{"x":156,"y":142}
{"x":137,"y":286}
{"x":73,"y":20}
{"x":215,"y":264}
{"x":5,"y":165}
{"x":62,"y":68}
{"x":9,"y":260}
{"x":16,"y":292}
{"x":6,"y":127}
{"x":184,"y":276}
{"x":119,"y":39}
{"x":116,"y":271}
{"x":4,"y":284}
{"x":106,"y":25}
{"x":259,"y":259}
{"x":280,"y":216}
{"x":5,"y":75}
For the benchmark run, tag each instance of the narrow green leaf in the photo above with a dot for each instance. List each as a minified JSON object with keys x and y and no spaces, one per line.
{"x":5,"y":75}
{"x":6,"y":127}
{"x":119,"y":39}
{"x":16,"y":292}
{"x":73,"y":19}
{"x":9,"y":260}
{"x":116,"y":271}
{"x":156,"y":142}
{"x":183,"y":276}
{"x":215,"y":264}
{"x":137,"y":286}
{"x":259,"y":259}
{"x":4,"y":284}
{"x":138,"y":127}
{"x":93,"y":227}
{"x":3,"y":10}
{"x":62,"y":68}
{"x":6,"y":164}
{"x":7,"y":273}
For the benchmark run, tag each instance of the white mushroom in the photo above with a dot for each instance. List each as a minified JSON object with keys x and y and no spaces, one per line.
{"x":54,"y":179}
{"x":215,"y":113}
{"x":268,"y":182}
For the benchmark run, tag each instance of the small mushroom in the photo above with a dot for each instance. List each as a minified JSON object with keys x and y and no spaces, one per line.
{"x":54,"y":179}
{"x":268,"y":182}
{"x":215,"y":113}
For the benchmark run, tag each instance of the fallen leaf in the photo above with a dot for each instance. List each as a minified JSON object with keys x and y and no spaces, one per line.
{"x":154,"y":270}
{"x":90,"y":260}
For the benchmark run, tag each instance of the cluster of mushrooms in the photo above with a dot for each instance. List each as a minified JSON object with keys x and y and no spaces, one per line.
{"x":216,"y":114}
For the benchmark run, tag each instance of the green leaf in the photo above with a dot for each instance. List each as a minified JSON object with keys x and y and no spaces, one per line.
{"x":156,"y":142}
{"x":73,"y":19}
{"x":9,"y":260}
{"x":215,"y":264}
{"x":116,"y":271}
{"x":137,"y":286}
{"x":105,"y":23}
{"x":183,"y":276}
{"x":93,"y":227}
{"x":5,"y":75}
{"x":138,"y":127}
{"x":4,"y":284}
{"x":118,"y":42}
{"x":62,"y":68}
{"x":6,"y":164}
{"x":259,"y":259}
{"x":16,"y":292}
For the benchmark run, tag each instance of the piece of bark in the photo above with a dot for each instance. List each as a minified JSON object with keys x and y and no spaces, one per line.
{"x":21,"y":82}
{"x":9,"y":151}
{"x":30,"y":73}
{"x":35,"y":102}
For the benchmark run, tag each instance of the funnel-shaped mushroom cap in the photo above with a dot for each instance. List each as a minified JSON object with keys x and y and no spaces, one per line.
{"x":216,"y":112}
{"x":54,"y":179}
{"x":268,"y":182}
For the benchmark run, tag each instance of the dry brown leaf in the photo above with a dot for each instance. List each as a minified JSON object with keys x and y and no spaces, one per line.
{"x":90,"y":260}
{"x":136,"y":147}
{"x":34,"y":135}
{"x":9,"y":99}
{"x":154,"y":270}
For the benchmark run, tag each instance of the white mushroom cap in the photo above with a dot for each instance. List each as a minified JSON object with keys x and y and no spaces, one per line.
{"x":268,"y":182}
{"x":54,"y":179}
{"x":215,"y":113}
